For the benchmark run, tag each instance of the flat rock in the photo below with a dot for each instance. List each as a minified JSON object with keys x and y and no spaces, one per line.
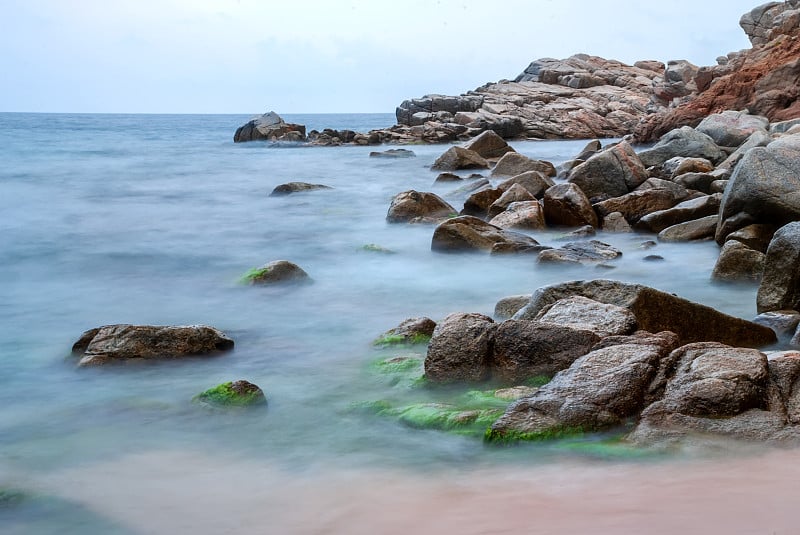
{"x":585,"y":252}
{"x":122,"y":343}
{"x":657,"y":311}
{"x":587,"y":314}
{"x":698,"y":229}
{"x":296,"y":187}
{"x":392,"y":153}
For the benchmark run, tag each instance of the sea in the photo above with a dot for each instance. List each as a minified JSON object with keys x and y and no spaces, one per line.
{"x":153,"y":219}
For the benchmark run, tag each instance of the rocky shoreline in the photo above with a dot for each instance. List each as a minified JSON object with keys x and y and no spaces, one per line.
{"x":588,"y":356}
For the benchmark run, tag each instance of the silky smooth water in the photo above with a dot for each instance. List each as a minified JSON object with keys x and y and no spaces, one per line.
{"x":153,"y":218}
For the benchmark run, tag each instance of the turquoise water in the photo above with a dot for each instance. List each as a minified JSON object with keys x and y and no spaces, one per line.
{"x":153,"y":218}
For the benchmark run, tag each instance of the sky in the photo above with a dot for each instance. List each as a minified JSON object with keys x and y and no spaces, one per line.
{"x":317,"y":56}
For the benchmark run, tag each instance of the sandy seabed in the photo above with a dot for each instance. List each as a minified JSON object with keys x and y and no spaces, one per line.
{"x":174,"y":492}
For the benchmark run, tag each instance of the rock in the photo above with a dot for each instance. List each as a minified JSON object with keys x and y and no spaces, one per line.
{"x":469,"y":188}
{"x":514,"y":163}
{"x":599,"y":390}
{"x":714,"y":380}
{"x":759,"y":138}
{"x":515,"y":193}
{"x":616,"y":222}
{"x":780,"y":285}
{"x":269,"y":126}
{"x":393,"y":153}
{"x":763,"y":188}
{"x":697,"y":229}
{"x":609,"y":173}
{"x":122,"y":343}
{"x":508,"y":306}
{"x":524,"y":215}
{"x":409,"y":332}
{"x":679,"y":165}
{"x":585,"y":231}
{"x":479,"y":202}
{"x":781,"y":127}
{"x":732,"y":128}
{"x":535,"y":182}
{"x":460,"y":349}
{"x":783,"y":322}
{"x":738,"y":262}
{"x":456,"y":158}
{"x":276,"y":272}
{"x":755,"y":236}
{"x":591,"y":251}
{"x":447,"y":177}
{"x":586,"y":314}
{"x":467,"y":233}
{"x":680,"y":213}
{"x":527,"y":349}
{"x":407,"y":205}
{"x":696,"y":181}
{"x":760,"y":23}
{"x":295,"y":187}
{"x":506,"y":248}
{"x":762,"y":80}
{"x":718,"y":186}
{"x":566,"y":205}
{"x":239,"y":393}
{"x":488,"y":145}
{"x":653,"y":258}
{"x":637,"y":204}
{"x":657,"y":311}
{"x":684,"y":141}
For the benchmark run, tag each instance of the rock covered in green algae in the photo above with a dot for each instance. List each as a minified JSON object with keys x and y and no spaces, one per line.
{"x":409,"y":332}
{"x":233,"y":394}
{"x":277,"y":272}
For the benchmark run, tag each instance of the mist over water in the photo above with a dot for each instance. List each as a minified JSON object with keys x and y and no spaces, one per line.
{"x":152,"y":219}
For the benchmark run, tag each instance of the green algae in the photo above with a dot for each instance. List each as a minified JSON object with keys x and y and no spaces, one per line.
{"x":400,"y":340}
{"x":225,"y":395}
{"x":254,"y":274}
{"x":444,"y":417}
{"x":538,"y":380}
{"x":10,"y":497}
{"x":375,"y":248}
{"x":493,"y":436}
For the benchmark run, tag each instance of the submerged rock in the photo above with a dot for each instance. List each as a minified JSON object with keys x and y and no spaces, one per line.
{"x":239,"y":393}
{"x":410,"y":331}
{"x":295,"y":187}
{"x":392,"y":153}
{"x":467,"y":233}
{"x":585,"y":252}
{"x":123,"y":343}
{"x":276,"y":272}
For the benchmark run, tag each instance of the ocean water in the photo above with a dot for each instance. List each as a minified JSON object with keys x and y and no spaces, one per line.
{"x":153,"y":219}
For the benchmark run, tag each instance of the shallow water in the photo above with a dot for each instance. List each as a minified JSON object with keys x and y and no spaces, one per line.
{"x":152,"y":219}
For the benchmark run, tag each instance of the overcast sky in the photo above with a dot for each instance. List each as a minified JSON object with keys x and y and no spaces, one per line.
{"x":295,"y":56}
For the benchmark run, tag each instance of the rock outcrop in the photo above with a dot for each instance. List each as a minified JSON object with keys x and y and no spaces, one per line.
{"x":269,"y":127}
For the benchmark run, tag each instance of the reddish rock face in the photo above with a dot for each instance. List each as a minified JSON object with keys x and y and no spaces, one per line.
{"x":764,"y":80}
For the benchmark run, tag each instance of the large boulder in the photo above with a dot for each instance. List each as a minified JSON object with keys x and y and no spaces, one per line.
{"x":514,"y":163}
{"x":460,"y":349}
{"x":523,"y":215}
{"x":684,"y":141}
{"x":269,"y":126}
{"x":411,"y":204}
{"x":527,"y":349}
{"x":488,"y":145}
{"x":468,"y":233}
{"x":456,"y":158}
{"x":567,"y":205}
{"x":601,"y":389}
{"x":780,"y":285}
{"x":764,"y":188}
{"x":610,"y":173}
{"x":732,"y":128}
{"x":657,"y":311}
{"x":125,"y":343}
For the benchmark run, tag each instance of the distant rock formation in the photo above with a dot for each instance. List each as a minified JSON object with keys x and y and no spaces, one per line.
{"x":765,"y":80}
{"x":270,"y":127}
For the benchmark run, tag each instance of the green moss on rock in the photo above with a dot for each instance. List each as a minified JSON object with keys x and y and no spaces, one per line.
{"x":11,"y":497}
{"x":493,"y":436}
{"x":400,"y":340}
{"x":374,"y":248}
{"x":233,"y":394}
{"x":445,"y":417}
